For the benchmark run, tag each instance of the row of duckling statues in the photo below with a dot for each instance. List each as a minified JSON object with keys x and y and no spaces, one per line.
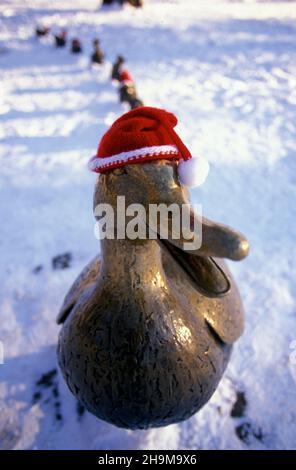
{"x":126,"y":85}
{"x":148,"y":326}
{"x":133,"y":3}
{"x":61,"y":40}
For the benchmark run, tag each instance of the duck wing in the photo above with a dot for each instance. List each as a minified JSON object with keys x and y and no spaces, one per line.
{"x":212,"y":282}
{"x":88,"y":276}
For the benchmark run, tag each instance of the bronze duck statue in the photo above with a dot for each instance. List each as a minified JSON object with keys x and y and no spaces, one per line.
{"x":148,"y":327}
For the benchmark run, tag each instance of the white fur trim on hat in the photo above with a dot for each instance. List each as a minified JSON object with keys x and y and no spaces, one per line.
{"x":103,"y":163}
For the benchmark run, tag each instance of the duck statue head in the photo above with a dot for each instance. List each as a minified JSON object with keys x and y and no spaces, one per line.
{"x":148,"y":326}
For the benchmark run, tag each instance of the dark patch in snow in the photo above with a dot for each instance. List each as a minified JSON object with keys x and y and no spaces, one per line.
{"x":80,"y":409}
{"x":58,"y":414}
{"x":37,"y":397}
{"x":38,"y":269}
{"x":48,"y":381}
{"x":247,"y":431}
{"x":239,"y":408}
{"x":62,"y":261}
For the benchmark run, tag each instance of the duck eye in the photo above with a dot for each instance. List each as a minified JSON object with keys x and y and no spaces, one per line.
{"x":120,"y":171}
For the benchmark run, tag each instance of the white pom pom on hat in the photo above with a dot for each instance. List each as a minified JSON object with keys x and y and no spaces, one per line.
{"x":193,"y":172}
{"x":146,"y":134}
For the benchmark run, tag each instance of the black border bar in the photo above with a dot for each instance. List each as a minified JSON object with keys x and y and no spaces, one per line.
{"x":135,"y":459}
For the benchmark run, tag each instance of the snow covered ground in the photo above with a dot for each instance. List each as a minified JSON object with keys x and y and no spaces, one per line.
{"x":228,"y":70}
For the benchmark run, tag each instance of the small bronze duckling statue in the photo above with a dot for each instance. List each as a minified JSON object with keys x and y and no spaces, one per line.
{"x":148,"y":327}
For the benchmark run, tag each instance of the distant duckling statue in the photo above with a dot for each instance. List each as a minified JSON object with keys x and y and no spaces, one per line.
{"x":76,"y":47}
{"x":61,"y":38}
{"x":148,"y":326}
{"x":97,"y":56}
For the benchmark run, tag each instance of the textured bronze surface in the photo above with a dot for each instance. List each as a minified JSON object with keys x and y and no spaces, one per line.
{"x":148,"y":328}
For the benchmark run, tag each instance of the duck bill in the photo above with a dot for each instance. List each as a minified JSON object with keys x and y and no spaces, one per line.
{"x":199,"y":236}
{"x":197,"y":243}
{"x":220,"y":241}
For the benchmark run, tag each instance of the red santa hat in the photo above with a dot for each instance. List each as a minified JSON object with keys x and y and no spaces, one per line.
{"x":146,"y":134}
{"x":125,"y":76}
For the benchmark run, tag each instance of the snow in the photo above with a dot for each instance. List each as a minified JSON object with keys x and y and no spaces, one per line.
{"x":228,"y":70}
